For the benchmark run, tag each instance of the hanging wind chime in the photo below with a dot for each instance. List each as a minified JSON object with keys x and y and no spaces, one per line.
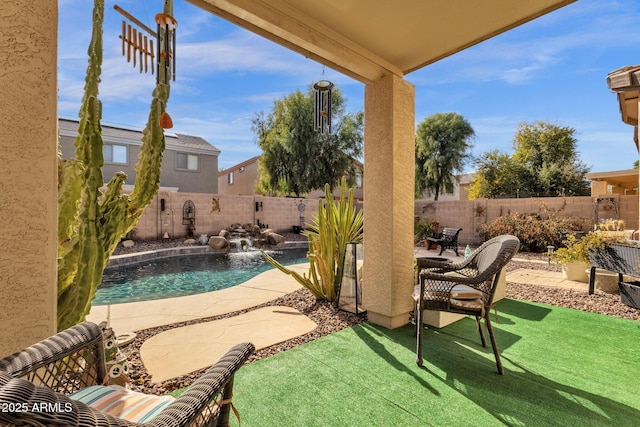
{"x":136,"y":47}
{"x":322,"y":106}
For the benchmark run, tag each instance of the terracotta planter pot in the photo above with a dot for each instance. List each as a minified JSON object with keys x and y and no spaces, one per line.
{"x":575,"y":271}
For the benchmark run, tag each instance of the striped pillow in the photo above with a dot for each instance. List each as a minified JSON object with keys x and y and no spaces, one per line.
{"x":122,"y":403}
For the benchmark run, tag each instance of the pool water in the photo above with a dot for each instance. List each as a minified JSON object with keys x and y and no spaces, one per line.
{"x":186,"y":275}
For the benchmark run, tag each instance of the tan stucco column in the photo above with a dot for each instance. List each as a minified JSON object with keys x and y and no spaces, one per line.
{"x":28,"y":177}
{"x":388,"y":200}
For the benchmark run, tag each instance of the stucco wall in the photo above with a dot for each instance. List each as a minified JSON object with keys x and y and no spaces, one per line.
{"x":28,"y":146}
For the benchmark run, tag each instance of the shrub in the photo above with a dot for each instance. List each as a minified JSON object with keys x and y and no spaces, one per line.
{"x":423,"y":229}
{"x":534,"y":232}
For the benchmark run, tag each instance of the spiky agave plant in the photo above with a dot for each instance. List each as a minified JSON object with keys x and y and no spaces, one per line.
{"x":91,"y":222}
{"x":333,"y":226}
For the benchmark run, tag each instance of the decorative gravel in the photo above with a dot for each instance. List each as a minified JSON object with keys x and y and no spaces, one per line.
{"x":330,"y":319}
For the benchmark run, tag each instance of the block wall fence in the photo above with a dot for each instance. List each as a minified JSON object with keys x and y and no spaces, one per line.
{"x":471,"y":214}
{"x":165,"y":213}
{"x":282,"y":213}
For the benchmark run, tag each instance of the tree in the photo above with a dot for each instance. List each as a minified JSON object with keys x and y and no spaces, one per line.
{"x":295,"y":158}
{"x":496,"y":176}
{"x":443,"y":142}
{"x":545,"y":163}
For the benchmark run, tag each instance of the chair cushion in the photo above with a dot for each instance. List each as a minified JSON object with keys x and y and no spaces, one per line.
{"x":467,"y":304}
{"x":465,"y":292}
{"x":462,"y":296}
{"x":122,"y":403}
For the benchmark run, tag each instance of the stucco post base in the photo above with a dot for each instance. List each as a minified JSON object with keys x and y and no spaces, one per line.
{"x":388,"y":201}
{"x":387,"y":321}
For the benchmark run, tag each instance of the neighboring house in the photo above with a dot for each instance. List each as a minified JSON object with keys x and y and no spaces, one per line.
{"x":241,"y":180}
{"x":190,"y":163}
{"x":460,"y":189}
{"x":614,"y":182}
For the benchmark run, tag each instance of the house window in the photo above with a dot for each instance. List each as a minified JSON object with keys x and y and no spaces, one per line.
{"x":230,"y":178}
{"x":358,"y":180}
{"x":187,"y":161}
{"x":114,"y":153}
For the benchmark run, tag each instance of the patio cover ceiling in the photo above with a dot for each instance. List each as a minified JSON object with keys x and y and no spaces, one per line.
{"x":625,"y":82}
{"x":367,"y":39}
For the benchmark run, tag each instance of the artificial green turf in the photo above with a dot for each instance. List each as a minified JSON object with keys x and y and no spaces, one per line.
{"x":562,"y":368}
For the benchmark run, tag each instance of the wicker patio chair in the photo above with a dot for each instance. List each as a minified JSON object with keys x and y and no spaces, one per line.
{"x":36,"y":382}
{"x":467,"y":287}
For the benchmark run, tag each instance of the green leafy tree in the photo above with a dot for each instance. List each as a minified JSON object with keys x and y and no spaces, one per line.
{"x":496,"y":176}
{"x":295,"y":159}
{"x":442,"y":148}
{"x":545,"y":163}
{"x":548,"y":152}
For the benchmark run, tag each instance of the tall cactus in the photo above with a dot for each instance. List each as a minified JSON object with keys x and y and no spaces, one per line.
{"x":91,"y":222}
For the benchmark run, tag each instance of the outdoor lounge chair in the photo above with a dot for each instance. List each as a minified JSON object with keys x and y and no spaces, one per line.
{"x":37,"y":387}
{"x":448,"y":239}
{"x":464,"y":288}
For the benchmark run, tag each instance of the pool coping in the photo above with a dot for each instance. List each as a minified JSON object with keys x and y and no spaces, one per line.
{"x":136,"y":257}
{"x":136,"y":316}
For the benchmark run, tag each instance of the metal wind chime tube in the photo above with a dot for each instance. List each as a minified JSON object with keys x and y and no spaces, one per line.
{"x":166,"y":46}
{"x":322,"y":106}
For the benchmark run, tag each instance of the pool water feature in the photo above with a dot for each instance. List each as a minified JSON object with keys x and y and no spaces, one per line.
{"x":176,"y":276}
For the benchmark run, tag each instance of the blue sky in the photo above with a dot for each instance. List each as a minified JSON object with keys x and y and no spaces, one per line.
{"x":552,"y":69}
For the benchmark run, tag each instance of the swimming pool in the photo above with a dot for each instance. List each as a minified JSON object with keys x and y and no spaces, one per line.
{"x":186,"y":275}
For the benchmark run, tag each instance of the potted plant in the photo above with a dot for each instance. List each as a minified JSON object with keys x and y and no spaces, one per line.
{"x":423,"y":229}
{"x":574,"y":257}
{"x":613,"y":228}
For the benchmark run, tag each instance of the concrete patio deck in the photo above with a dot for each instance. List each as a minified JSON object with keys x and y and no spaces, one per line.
{"x":182,"y":350}
{"x":135,"y":316}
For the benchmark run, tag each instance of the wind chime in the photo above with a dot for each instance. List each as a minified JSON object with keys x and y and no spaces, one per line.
{"x":322,"y":106}
{"x":138,"y":47}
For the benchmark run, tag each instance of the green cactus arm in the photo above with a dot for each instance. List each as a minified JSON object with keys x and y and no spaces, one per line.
{"x":92,"y":78}
{"x":150,"y":158}
{"x":113,"y":209}
{"x":88,"y":262}
{"x":69,"y":195}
